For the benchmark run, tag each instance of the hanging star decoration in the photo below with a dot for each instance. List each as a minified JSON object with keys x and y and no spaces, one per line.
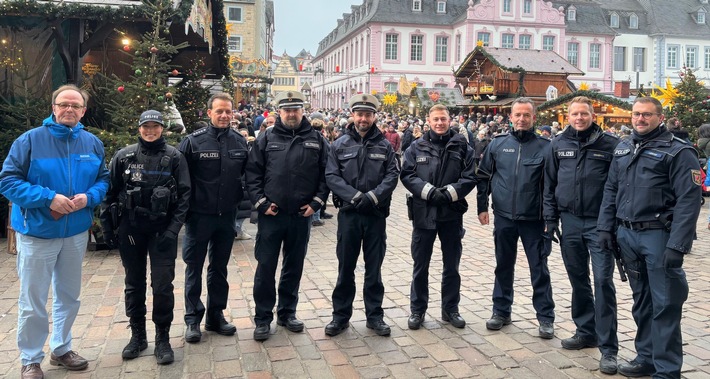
{"x":666,"y":95}
{"x":390,"y":99}
{"x":584,"y":86}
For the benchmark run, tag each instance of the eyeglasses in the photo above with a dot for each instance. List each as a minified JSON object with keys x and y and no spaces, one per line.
{"x":64,"y":106}
{"x":644,"y":114}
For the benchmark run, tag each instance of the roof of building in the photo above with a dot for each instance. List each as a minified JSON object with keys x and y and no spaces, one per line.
{"x":677,"y":18}
{"x":624,"y":9}
{"x":537,"y":61}
{"x":450,"y":97}
{"x":589,"y":19}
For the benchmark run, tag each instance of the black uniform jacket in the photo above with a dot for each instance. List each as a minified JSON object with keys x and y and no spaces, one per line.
{"x":287,"y":167}
{"x":512,"y":170}
{"x":575,"y":173}
{"x":427,"y":167}
{"x":358,"y":166}
{"x":661,"y":175}
{"x":217,"y":159}
{"x":139,"y":166}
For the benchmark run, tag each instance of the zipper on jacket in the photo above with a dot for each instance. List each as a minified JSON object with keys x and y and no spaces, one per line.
{"x":513,"y":214}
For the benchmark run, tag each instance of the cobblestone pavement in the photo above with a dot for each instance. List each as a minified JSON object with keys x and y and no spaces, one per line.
{"x":436,"y":350}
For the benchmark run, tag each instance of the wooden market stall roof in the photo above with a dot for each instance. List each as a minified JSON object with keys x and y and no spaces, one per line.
{"x":451,"y":97}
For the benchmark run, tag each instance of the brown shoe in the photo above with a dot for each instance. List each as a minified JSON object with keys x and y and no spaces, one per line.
{"x":71,"y":361}
{"x":32,"y":371}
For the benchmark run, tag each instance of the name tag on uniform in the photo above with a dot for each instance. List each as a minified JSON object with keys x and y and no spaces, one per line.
{"x":311,"y":145}
{"x":619,"y":152}
{"x":653,"y":154}
{"x":508,"y":150}
{"x":209,"y":155}
{"x":378,"y":157}
{"x":566,"y":154}
{"x":423,"y":160}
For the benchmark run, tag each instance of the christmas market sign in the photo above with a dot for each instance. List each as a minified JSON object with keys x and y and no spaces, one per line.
{"x":90,"y":69}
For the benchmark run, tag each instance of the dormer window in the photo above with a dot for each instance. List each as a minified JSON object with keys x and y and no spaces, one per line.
{"x":633,"y":21}
{"x":701,"y":16}
{"x":417,"y":5}
{"x":572,"y":13}
{"x":614,"y":20}
{"x":441,"y":7}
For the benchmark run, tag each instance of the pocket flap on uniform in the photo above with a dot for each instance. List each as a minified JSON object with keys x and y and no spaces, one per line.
{"x":237,"y":154}
{"x":532,"y":161}
{"x":344,"y":154}
{"x":275,"y":146}
{"x":600,"y":155}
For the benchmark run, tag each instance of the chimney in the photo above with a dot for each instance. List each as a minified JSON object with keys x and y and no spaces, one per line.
{"x":621,"y":89}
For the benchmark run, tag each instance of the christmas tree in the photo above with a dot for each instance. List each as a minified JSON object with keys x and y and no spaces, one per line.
{"x":149,"y":58}
{"x":691,"y":102}
{"x":190,"y":96}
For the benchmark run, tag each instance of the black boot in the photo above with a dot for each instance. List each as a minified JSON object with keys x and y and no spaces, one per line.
{"x":163,"y":352}
{"x":139,"y":341}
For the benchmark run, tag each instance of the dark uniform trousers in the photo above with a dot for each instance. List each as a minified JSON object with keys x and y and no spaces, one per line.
{"x":594,"y":314}
{"x":356,"y":230}
{"x":293,"y":230}
{"x":211,"y":235}
{"x":657,"y":291}
{"x":450,"y":234}
{"x":134,"y":247}
{"x":537,"y":248}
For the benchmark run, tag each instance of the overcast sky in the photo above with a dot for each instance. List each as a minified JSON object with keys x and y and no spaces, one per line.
{"x":302,"y":24}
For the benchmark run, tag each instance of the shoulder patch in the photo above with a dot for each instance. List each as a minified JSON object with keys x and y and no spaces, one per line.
{"x":696,"y":177}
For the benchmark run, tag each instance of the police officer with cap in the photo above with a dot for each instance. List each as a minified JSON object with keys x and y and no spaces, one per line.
{"x":286,"y":183}
{"x":650,"y":208}
{"x":438,"y":170}
{"x":147,"y":201}
{"x":362,"y":173}
{"x":217,"y":157}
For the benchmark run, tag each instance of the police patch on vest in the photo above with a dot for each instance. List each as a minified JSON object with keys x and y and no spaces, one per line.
{"x":423,"y":160}
{"x":136,"y":176}
{"x":311,"y":145}
{"x":566,"y":154}
{"x":622,"y":151}
{"x":378,"y":157}
{"x":209,"y":155}
{"x":696,"y":176}
{"x":508,"y":150}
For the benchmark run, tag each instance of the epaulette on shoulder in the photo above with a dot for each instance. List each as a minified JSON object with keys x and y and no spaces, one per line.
{"x":684,"y":142}
{"x":199,"y":131}
{"x":501,"y":135}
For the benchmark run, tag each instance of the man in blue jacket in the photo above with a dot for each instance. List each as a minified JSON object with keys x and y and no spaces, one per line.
{"x":512,"y":170}
{"x":54,"y":176}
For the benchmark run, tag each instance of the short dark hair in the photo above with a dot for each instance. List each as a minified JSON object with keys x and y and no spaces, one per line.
{"x":652,"y":100}
{"x":220,"y":96}
{"x":704,"y":131}
{"x":524,"y":100}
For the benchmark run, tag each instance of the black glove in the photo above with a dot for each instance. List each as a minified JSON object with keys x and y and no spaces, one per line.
{"x":672,"y":258}
{"x":438,"y":197}
{"x":111,"y":240}
{"x":365,"y":205}
{"x":606,"y":241}
{"x":167,"y":240}
{"x":553,"y":230}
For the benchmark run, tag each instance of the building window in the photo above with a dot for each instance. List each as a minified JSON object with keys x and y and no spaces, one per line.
{"x":672,"y":56}
{"x":441,"y":85}
{"x":639,"y":59}
{"x":619,"y":58}
{"x":595,"y":52}
{"x":506,"y":6}
{"x":417,"y":5}
{"x":524,"y":42}
{"x":416,"y":48}
{"x":235,"y":43}
{"x":571,"y":13}
{"x":633,"y":21}
{"x":507,"y":41}
{"x":527,"y":6}
{"x":390,"y":86}
{"x":691,"y":56}
{"x":442,"y":49}
{"x":235,"y":14}
{"x":707,"y":58}
{"x":701,"y":17}
{"x":614,"y":20}
{"x":484,"y":37}
{"x":573,"y":53}
{"x":458,"y":47}
{"x":548,"y":43}
{"x":391,"y":47}
{"x":441,"y":7}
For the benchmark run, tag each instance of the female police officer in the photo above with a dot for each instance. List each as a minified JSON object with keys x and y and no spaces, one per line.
{"x":148,"y":197}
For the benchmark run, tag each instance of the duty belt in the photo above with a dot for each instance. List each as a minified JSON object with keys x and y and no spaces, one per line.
{"x":641,"y":225}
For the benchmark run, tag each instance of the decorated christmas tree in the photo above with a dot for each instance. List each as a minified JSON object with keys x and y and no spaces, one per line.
{"x":190,"y":96}
{"x":690,"y":104}
{"x":148,"y":58}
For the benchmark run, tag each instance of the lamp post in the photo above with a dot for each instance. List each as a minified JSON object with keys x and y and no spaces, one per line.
{"x":638,"y":71}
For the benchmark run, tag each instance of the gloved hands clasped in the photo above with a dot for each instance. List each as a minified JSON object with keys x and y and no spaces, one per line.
{"x":439,"y":197}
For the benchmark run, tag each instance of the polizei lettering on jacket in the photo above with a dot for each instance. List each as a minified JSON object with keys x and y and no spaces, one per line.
{"x":508,"y":150}
{"x":566,"y":154}
{"x":209,"y":155}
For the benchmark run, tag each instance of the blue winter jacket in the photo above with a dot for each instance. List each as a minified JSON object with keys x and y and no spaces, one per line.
{"x":47,"y":160}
